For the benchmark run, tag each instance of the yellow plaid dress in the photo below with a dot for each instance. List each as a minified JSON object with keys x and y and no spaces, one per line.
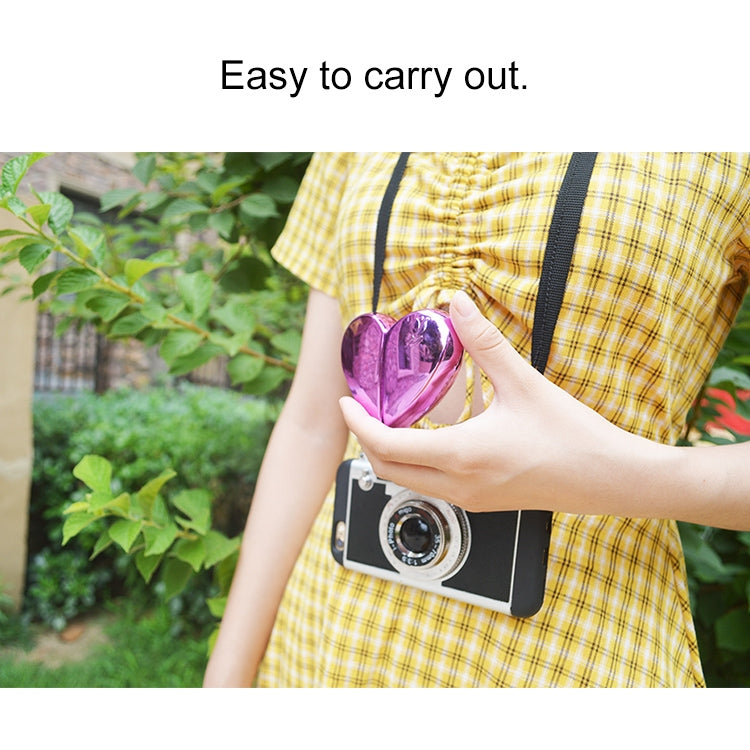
{"x":659,"y":270}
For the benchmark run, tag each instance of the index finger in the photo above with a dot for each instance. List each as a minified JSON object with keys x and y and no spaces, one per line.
{"x":400,"y":445}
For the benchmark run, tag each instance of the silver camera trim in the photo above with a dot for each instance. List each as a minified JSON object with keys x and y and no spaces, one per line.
{"x":361,"y":476}
{"x":455,"y":541}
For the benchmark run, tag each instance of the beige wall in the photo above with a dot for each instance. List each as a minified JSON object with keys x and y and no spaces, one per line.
{"x":88,"y":173}
{"x":17,"y":326}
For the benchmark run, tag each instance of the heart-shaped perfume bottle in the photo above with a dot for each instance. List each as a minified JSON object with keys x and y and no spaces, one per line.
{"x":399,"y":369}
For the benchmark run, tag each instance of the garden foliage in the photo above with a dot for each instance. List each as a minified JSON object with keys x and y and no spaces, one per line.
{"x":718,"y":560}
{"x":215,"y":437}
{"x":190,"y":273}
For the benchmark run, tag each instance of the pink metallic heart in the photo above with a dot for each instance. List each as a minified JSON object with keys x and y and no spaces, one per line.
{"x":399,"y":370}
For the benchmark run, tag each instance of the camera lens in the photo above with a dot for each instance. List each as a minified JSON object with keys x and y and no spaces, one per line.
{"x":415,"y":534}
{"x":423,"y":537}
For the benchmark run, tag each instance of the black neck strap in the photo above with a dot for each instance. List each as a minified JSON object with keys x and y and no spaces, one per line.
{"x":561,"y":240}
{"x":381,"y":231}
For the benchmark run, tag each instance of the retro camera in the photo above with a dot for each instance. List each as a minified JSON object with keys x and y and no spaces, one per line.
{"x":494,"y":560}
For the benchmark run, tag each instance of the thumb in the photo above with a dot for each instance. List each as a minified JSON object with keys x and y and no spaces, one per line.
{"x":486,"y":345}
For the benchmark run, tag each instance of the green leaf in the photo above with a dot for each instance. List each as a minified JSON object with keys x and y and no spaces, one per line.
{"x":103,"y":542}
{"x":178,"y":343}
{"x":121,"y":503}
{"x":104,"y":500}
{"x":147,"y":494}
{"x":189,"y":362}
{"x":227,"y":186}
{"x":19,"y":243}
{"x":222,"y":223}
{"x":95,"y":472}
{"x":15,"y":205}
{"x":195,"y":290}
{"x":207,"y":180}
{"x":76,"y":280}
{"x":152,"y":200}
{"x":728,"y":375}
{"x":271,"y":159}
{"x":129,"y":325}
{"x":289,"y":342}
{"x":158,"y":540}
{"x":705,"y":563}
{"x":268,"y":379}
{"x":124,"y":532}
{"x":89,"y":241}
{"x":244,"y":368}
{"x":136,"y":268}
{"x":144,"y":168}
{"x":61,"y":210}
{"x":217,"y":605}
{"x":180,"y":208}
{"x":155,"y":312}
{"x":191,"y":551}
{"x":76,"y":523}
{"x":114,"y":198}
{"x":175,"y":575}
{"x":281,"y":188}
{"x":219,"y":547}
{"x":108,"y":305}
{"x":258,"y":206}
{"x":224,"y":572}
{"x":196,"y":505}
{"x":160,"y":512}
{"x":42,"y":283}
{"x":33,"y":255}
{"x":237,"y":315}
{"x":230,"y":345}
{"x":14,"y":170}
{"x":99,"y":499}
{"x":39,"y":213}
{"x":733,"y":631}
{"x":147,"y":565}
{"x":247,"y":274}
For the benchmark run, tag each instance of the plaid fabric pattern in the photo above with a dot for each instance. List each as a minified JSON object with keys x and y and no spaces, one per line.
{"x":659,"y":270}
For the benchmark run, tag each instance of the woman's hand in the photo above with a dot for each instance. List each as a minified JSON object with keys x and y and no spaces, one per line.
{"x":534,"y":447}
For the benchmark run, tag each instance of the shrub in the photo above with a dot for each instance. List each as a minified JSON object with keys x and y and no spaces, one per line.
{"x":214,"y":438}
{"x":718,"y":560}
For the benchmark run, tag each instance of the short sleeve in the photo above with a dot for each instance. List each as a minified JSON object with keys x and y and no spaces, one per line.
{"x":306,"y":245}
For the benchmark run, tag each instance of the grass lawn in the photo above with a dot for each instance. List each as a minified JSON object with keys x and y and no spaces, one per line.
{"x":129,"y":651}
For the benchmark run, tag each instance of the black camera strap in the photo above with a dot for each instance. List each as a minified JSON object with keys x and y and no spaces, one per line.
{"x":558,"y":253}
{"x":381,"y":231}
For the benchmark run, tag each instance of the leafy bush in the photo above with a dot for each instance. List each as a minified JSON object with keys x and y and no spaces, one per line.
{"x":718,"y":560}
{"x":192,"y":274}
{"x":215,"y":437}
{"x":62,"y":585}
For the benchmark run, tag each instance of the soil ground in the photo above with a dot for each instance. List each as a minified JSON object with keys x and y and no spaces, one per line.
{"x":73,"y":644}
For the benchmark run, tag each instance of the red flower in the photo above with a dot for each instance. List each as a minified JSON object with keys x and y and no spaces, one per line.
{"x":727,"y":417}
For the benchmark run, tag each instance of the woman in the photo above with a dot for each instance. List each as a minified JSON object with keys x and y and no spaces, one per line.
{"x":658,"y":272}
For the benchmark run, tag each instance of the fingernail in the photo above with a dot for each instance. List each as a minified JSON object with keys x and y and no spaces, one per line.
{"x":463,"y":304}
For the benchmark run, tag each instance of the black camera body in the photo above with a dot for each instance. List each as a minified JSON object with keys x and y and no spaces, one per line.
{"x":493,"y":560}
